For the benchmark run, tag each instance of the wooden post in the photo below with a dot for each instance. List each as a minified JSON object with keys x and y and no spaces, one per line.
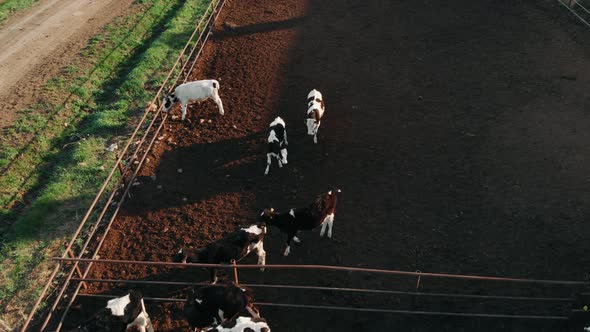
{"x":233,"y":262}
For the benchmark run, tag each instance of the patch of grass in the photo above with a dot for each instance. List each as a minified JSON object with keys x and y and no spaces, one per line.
{"x":29,"y":123}
{"x":52,"y":179}
{"x":9,"y":7}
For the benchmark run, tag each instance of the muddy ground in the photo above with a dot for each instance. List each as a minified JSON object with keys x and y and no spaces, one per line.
{"x":456,"y":130}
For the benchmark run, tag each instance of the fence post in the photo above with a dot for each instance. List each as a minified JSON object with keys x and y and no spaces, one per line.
{"x":418,"y":281}
{"x":120,"y":167}
{"x":71,"y":254}
{"x":235,"y":269}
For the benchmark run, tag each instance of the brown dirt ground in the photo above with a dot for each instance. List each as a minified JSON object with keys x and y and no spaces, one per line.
{"x":40,"y":41}
{"x":457,"y":131}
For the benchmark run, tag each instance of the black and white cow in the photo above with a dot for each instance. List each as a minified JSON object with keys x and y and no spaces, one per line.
{"x":277,"y":143}
{"x":124,"y":313}
{"x":216,"y":304}
{"x":197,"y":90}
{"x":242,"y":324}
{"x":315,"y":112}
{"x":235,"y":245}
{"x":320,"y":212}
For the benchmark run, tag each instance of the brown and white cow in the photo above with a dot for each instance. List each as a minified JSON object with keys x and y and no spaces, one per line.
{"x":315,"y":112}
{"x":320,"y":212}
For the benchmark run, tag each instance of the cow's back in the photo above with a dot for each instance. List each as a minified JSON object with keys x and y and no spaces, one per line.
{"x":197,"y":89}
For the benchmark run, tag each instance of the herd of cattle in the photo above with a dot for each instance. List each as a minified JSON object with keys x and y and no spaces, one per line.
{"x":225,"y":306}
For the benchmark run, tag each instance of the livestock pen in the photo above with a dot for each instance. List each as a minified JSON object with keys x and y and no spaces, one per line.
{"x":450,"y":137}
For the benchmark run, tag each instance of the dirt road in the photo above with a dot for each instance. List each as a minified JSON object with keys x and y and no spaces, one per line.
{"x":36,"y":43}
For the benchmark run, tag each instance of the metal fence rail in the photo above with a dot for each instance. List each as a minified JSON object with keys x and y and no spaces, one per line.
{"x":128,"y":164}
{"x":357,"y":309}
{"x":579,"y":8}
{"x":336,"y":289}
{"x":569,"y":286}
{"x":417,"y":274}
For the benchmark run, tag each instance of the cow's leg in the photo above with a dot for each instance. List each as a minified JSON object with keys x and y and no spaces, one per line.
{"x":261,"y":255}
{"x":183,"y":110}
{"x":268,"y":161}
{"x":213,"y":275}
{"x":290,"y":236}
{"x":280,"y":162}
{"x":296,"y":239}
{"x":253,"y":311}
{"x":234,"y":317}
{"x":324,"y":224}
{"x":330,"y":223}
{"x":315,"y":136}
{"x":217,"y":101}
{"x":221,"y":315}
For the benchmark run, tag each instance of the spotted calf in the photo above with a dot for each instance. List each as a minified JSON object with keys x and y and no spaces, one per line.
{"x":277,"y":143}
{"x":236,"y":245}
{"x":125,"y":313}
{"x":217,"y":304}
{"x":315,"y":112}
{"x":320,"y":212}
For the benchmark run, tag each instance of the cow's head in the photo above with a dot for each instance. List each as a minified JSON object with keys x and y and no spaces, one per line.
{"x":168,"y":102}
{"x":334,"y":191}
{"x":267,"y":215}
{"x":181,"y":256}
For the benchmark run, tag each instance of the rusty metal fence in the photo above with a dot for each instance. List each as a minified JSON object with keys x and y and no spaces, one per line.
{"x":105,"y":206}
{"x":568,"y":290}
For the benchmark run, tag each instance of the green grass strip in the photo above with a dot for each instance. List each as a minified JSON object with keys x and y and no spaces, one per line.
{"x":10,"y":7}
{"x":117,"y":89}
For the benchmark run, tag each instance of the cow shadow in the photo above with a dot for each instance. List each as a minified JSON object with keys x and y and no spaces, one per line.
{"x":230,"y":30}
{"x":191,"y":174}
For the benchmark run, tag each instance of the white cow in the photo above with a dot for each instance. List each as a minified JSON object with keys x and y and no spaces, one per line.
{"x":197,"y":90}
